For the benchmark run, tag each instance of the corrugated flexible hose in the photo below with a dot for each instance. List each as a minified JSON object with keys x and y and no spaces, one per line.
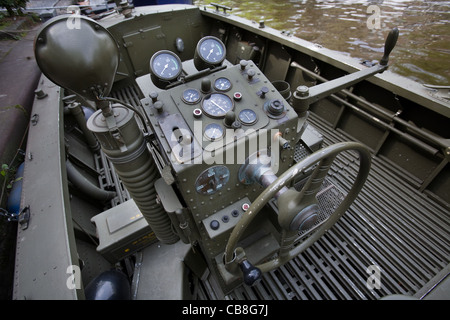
{"x":134,"y":165}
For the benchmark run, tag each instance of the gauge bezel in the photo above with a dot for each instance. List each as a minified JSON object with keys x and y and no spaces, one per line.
{"x":206,"y":97}
{"x":214,"y":139}
{"x":223,"y":90}
{"x":248,"y":123}
{"x":202,"y":63}
{"x":191,"y":102}
{"x":154,"y":73}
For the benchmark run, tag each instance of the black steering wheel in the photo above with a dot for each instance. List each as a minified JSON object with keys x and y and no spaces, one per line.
{"x":296,"y":209}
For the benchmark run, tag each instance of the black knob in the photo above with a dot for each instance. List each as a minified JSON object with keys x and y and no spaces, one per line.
{"x":214,"y":224}
{"x":154,"y":96}
{"x":263,"y":92}
{"x":159,"y":105}
{"x":230,"y":117}
{"x":250,"y":74}
{"x":243,"y":64}
{"x":206,"y":85}
{"x":276,"y":107}
{"x":391,"y":40}
{"x":251,"y":273}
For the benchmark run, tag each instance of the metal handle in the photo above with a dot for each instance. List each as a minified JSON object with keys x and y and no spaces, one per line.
{"x":252,"y":274}
{"x":391,"y":40}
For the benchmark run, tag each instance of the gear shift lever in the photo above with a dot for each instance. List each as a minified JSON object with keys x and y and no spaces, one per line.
{"x":391,"y":40}
{"x":303,"y":98}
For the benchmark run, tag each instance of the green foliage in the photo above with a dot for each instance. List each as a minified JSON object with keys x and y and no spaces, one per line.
{"x":10,"y":5}
{"x":4,"y":169}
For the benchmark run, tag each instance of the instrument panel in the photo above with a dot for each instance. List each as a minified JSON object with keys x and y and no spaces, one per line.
{"x":225,"y":113}
{"x":233,"y":99}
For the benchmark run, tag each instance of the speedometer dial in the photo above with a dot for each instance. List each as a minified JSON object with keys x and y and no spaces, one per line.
{"x":216,"y":105}
{"x":165,"y":65}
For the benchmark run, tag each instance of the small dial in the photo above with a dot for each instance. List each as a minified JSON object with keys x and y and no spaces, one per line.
{"x":212,"y":180}
{"x":212,"y":50}
{"x":209,"y":53}
{"x":216,"y":105}
{"x":214,"y":131}
{"x":247,"y":117}
{"x":191,"y":96}
{"x":165,"y":65}
{"x":222,"y":84}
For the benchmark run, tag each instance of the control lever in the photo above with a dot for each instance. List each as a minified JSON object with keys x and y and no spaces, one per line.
{"x":252,"y":274}
{"x":391,"y":40}
{"x":304,"y":96}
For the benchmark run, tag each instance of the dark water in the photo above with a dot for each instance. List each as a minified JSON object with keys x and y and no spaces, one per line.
{"x":423,"y":49}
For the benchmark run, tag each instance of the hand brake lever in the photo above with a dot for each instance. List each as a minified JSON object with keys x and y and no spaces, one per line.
{"x":304,"y":96}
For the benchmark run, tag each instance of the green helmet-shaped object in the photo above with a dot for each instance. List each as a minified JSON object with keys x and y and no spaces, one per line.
{"x":78,"y":54}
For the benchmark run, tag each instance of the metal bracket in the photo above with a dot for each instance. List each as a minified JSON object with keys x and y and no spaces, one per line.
{"x":24,"y":217}
{"x":115,"y":132}
{"x":34,"y":119}
{"x":442,"y":92}
{"x":220,"y":6}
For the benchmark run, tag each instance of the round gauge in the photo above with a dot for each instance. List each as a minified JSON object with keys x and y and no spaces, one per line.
{"x":247,"y":117}
{"x":191,"y":96}
{"x":216,"y":105}
{"x":210,"y":52}
{"x":214,"y":131}
{"x":212,"y":180}
{"x":165,"y":65}
{"x":222,"y":84}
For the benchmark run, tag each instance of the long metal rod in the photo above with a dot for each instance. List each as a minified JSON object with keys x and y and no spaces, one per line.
{"x":407,"y":137}
{"x":423,"y":134}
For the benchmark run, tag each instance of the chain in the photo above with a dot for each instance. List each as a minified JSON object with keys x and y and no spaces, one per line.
{"x":9,"y":216}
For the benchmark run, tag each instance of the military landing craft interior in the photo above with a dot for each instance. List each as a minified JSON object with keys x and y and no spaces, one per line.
{"x":203,"y":156}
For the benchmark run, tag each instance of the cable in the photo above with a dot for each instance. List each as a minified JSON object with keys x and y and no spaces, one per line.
{"x":129,"y":106}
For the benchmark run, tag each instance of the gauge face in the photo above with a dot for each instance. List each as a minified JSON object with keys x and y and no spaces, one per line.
{"x":247,"y":117}
{"x":212,"y":50}
{"x":222,"y":84}
{"x":191,"y":96}
{"x":216,"y":105}
{"x":212,"y":180}
{"x":214,"y":131}
{"x":165,"y":65}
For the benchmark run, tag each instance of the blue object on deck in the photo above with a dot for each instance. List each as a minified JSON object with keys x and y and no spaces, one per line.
{"x":109,"y":285}
{"x":13,"y":205}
